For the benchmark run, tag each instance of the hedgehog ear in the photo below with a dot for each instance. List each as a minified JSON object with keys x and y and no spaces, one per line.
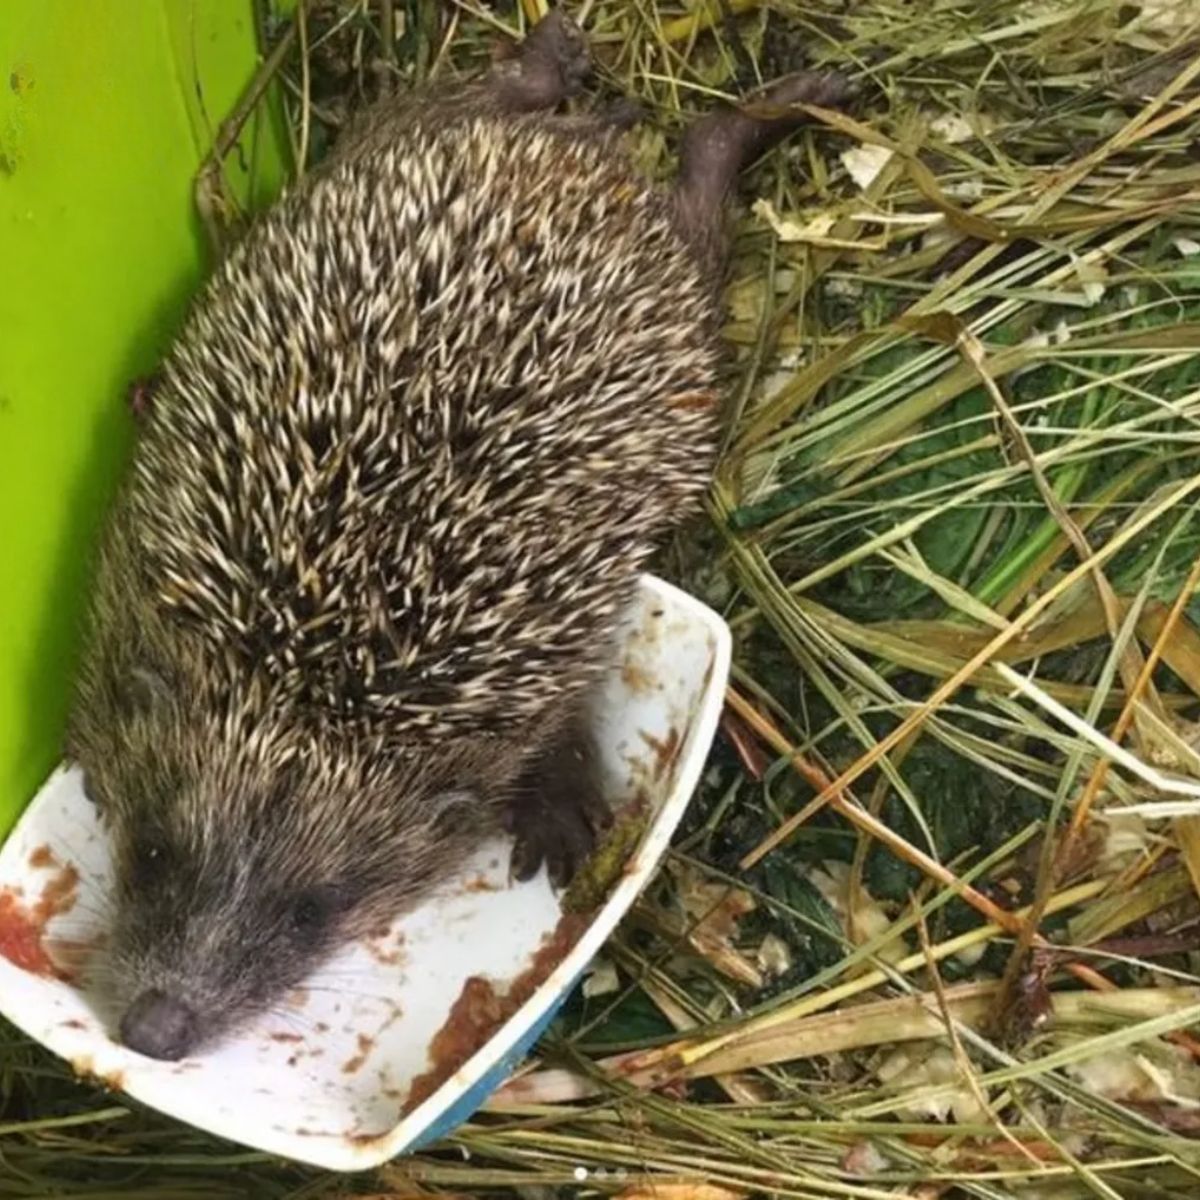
{"x":142,"y":689}
{"x":456,"y":804}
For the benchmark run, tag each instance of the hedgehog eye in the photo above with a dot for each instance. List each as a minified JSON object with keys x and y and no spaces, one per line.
{"x":150,"y":862}
{"x":91,"y":793}
{"x":313,"y":909}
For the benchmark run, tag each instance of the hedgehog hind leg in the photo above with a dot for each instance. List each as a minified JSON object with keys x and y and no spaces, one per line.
{"x":558,"y":810}
{"x":548,"y":68}
{"x":719,"y":145}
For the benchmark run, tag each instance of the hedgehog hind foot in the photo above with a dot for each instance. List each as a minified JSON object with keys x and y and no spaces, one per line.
{"x":548,"y":68}
{"x":558,"y":810}
{"x":719,"y":145}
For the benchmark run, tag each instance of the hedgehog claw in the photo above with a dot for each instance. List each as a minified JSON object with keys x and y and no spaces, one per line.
{"x":557,"y":815}
{"x":550,"y":66}
{"x":556,"y":40}
{"x":562,"y":835}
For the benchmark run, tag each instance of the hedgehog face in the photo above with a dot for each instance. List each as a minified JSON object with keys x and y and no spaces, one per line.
{"x":208,"y":934}
{"x":244,"y":858}
{"x":223,"y":907}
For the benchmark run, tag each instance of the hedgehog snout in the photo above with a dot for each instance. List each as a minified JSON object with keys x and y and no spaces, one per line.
{"x":159,"y":1025}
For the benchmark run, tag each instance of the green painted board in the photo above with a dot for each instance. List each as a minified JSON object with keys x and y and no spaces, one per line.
{"x":107,"y":107}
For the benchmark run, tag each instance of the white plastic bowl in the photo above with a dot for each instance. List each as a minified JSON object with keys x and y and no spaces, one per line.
{"x":327,"y":1081}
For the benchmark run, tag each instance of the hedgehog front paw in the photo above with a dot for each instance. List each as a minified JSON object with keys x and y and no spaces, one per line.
{"x":556,"y":815}
{"x":557,"y":830}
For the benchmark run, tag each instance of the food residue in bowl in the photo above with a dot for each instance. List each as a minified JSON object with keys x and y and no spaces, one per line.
{"x":365,"y":1046}
{"x":481,"y":1010}
{"x":387,"y":949}
{"x":480,"y":883}
{"x":666,"y":752}
{"x":637,"y":679}
{"x":23,"y":927}
{"x":85,"y":1068}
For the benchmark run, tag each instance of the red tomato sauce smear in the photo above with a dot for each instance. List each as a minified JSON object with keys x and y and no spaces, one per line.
{"x":23,"y":927}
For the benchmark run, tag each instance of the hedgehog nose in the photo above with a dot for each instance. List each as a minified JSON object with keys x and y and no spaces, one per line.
{"x":158,"y":1025}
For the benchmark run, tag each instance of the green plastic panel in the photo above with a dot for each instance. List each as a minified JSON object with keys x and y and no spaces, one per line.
{"x":107,"y":107}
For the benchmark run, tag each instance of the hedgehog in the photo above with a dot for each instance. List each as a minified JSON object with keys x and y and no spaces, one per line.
{"x":394,"y":485}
